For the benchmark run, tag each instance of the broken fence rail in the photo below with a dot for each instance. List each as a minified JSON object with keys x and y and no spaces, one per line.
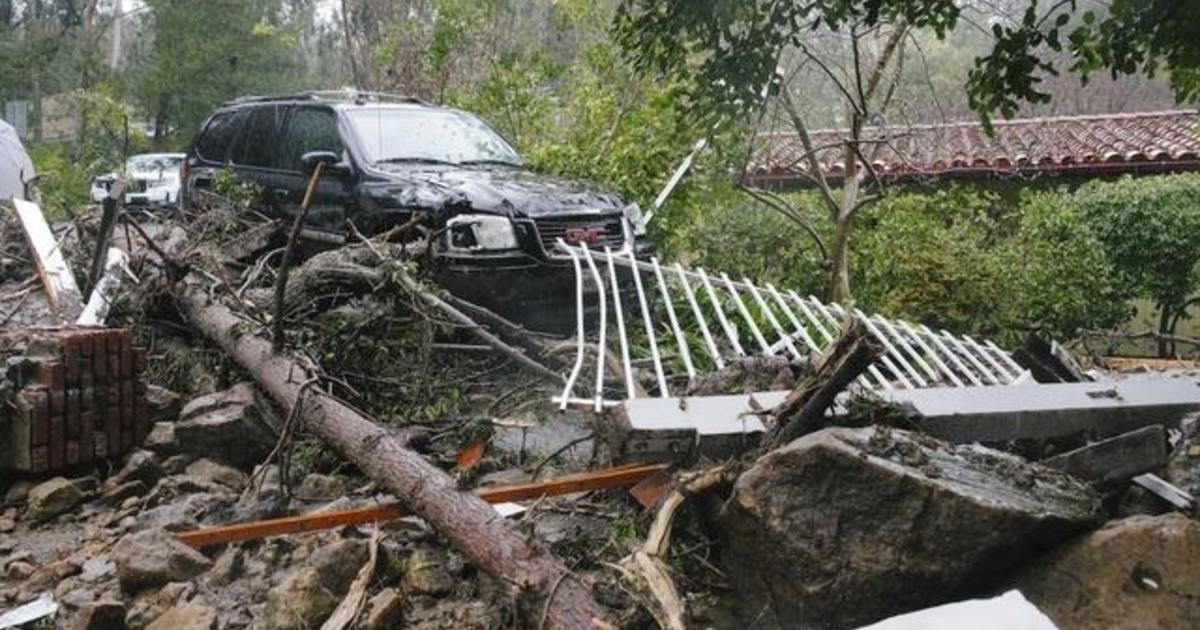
{"x":683,"y":322}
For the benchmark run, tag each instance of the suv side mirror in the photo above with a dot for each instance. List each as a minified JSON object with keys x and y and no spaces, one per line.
{"x":332,"y":161}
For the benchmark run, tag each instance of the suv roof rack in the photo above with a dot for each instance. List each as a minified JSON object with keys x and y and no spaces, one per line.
{"x":343,"y":95}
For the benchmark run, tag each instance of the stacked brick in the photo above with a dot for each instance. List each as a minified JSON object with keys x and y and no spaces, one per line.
{"x":75,"y":395}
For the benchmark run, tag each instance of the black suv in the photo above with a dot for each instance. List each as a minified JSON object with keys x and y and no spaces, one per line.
{"x":492,"y":222}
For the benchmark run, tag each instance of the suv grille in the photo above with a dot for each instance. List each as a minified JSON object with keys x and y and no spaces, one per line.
{"x":595,"y":231}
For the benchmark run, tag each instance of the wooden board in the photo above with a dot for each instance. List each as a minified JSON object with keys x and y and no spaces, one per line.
{"x":594,"y":480}
{"x":61,"y":290}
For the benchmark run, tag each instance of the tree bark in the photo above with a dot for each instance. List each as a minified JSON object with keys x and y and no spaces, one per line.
{"x":803,"y":411}
{"x":547,"y":586}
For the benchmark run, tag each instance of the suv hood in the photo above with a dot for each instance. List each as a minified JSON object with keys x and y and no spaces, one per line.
{"x":514,"y":192}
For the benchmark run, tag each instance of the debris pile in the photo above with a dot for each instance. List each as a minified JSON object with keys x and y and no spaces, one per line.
{"x":344,"y":445}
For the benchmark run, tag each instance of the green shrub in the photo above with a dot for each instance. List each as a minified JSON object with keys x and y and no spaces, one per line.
{"x":932,"y":258}
{"x":962,"y":259}
{"x":1065,"y":282}
{"x":1150,"y":231}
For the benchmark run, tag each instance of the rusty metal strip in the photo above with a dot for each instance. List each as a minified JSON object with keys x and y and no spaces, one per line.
{"x":622,"y":476}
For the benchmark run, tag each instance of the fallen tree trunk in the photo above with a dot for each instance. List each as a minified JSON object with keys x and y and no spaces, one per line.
{"x":488,"y":541}
{"x":803,"y":411}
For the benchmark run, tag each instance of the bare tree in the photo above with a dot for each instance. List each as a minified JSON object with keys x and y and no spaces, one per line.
{"x":863,"y":88}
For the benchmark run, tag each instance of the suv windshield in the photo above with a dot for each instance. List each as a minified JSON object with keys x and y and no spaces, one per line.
{"x":428,"y":135}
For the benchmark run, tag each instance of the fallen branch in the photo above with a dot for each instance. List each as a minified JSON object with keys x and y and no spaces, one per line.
{"x":466,"y":521}
{"x":286,"y":263}
{"x":646,"y":569}
{"x":352,"y":603}
{"x":803,"y":411}
{"x":408,"y":284}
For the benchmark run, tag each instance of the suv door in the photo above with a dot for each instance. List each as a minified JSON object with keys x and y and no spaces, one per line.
{"x":314,"y":128}
{"x":211,"y":152}
{"x":256,"y":157}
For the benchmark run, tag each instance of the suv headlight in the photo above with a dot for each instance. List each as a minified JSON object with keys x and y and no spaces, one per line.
{"x":474,"y":232}
{"x":633,"y":213}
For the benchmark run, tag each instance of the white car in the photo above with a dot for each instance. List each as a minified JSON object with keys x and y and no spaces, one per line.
{"x":151,"y":179}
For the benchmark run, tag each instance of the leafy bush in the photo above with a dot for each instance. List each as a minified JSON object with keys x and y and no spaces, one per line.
{"x":933,"y":258}
{"x":735,"y":235}
{"x":1150,"y":230}
{"x":1065,"y":282}
{"x":959,"y":258}
{"x":62,"y":183}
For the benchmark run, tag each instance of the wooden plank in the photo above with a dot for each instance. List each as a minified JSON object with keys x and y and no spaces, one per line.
{"x":1164,"y":490}
{"x":1117,"y":458}
{"x":61,"y":290}
{"x":596,"y":480}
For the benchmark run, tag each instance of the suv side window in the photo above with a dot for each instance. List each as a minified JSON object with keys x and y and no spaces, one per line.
{"x":309,"y":129}
{"x":219,"y":136}
{"x":258,"y":142}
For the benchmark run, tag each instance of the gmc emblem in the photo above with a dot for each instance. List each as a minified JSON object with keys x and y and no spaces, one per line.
{"x":584,"y":235}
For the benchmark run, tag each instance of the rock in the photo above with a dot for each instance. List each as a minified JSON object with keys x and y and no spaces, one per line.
{"x":847,"y":526}
{"x":449,"y":613}
{"x":164,"y":404}
{"x":427,"y":572}
{"x":339,"y":563}
{"x":51,"y":498}
{"x":310,"y":593}
{"x":116,"y":495}
{"x":19,"y":571}
{"x":155,"y":603}
{"x":141,"y":465}
{"x":153,"y":558}
{"x":87,"y":484}
{"x":235,"y":425}
{"x":184,"y":513}
{"x":102,"y":615}
{"x":384,"y":611}
{"x":320,"y":487}
{"x":229,"y":566}
{"x":73,"y":598}
{"x":176,"y":464}
{"x":301,"y":600}
{"x":7,"y":524}
{"x":1183,"y":467}
{"x":1139,"y":572}
{"x":215,"y":472}
{"x":18,"y":492}
{"x":97,"y":568}
{"x":744,"y":376}
{"x":161,"y":439}
{"x":186,"y":617}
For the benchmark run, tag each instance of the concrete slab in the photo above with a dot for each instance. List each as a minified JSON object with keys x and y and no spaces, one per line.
{"x":967,"y":414}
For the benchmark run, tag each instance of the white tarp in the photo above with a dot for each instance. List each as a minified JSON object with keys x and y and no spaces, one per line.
{"x":16,"y":169}
{"x":1010,"y":611}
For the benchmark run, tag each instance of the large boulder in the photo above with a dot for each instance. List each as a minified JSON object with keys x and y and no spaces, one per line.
{"x":236,"y":425}
{"x":154,"y":557}
{"x":1139,"y":572}
{"x":847,"y":526}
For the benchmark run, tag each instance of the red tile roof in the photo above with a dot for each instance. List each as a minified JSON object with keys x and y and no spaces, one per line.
{"x":1113,"y":143}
